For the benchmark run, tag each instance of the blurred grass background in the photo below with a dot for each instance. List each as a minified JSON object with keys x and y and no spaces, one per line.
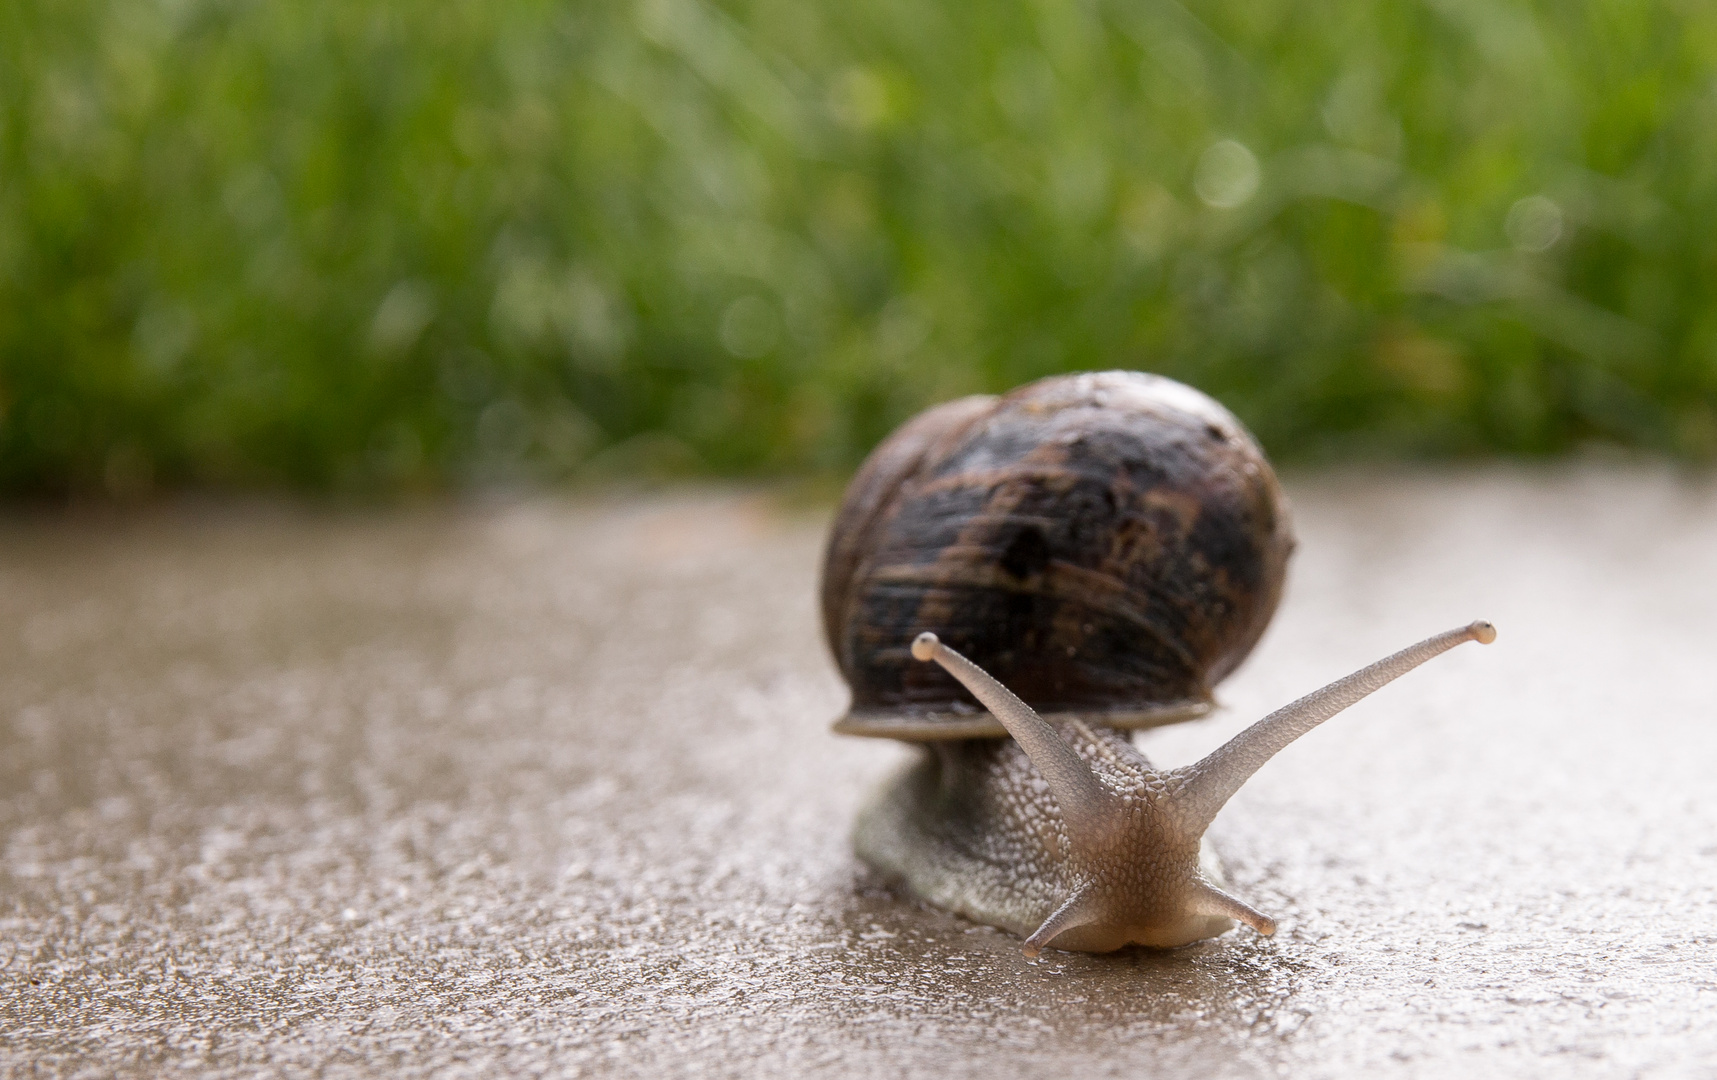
{"x":373,"y":246}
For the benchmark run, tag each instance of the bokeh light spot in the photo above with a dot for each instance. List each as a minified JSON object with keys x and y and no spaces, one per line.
{"x":1533,"y":224}
{"x":1227,"y":175}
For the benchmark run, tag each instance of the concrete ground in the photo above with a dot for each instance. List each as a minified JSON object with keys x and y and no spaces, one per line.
{"x":545,"y":788}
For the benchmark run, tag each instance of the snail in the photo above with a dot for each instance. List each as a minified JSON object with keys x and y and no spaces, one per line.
{"x":1016,"y":582}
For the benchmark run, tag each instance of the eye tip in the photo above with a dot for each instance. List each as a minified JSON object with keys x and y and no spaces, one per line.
{"x":1483,"y":632}
{"x":924,"y":646}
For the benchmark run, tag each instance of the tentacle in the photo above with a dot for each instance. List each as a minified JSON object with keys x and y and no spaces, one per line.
{"x":1074,"y":912}
{"x":1213,"y":901}
{"x":1207,"y":785}
{"x":1084,"y":802}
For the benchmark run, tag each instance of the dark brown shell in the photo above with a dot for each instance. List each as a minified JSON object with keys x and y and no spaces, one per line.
{"x":1107,"y":545}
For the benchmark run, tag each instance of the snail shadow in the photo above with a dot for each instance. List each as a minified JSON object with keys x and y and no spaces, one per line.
{"x":1231,"y":999}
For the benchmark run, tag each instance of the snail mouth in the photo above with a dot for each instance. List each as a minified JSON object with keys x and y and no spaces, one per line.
{"x":1101,"y":934}
{"x":1189,"y":931}
{"x":1098,"y":939}
{"x":956,"y":720}
{"x":1105,"y":917}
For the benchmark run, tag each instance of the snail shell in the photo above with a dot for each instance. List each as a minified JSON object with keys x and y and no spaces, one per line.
{"x":1107,"y":545}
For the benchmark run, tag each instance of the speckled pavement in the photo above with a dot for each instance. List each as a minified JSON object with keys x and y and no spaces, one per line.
{"x":544,"y":788}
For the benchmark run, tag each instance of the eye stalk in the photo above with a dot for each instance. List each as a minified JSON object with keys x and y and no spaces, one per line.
{"x":1161,"y":900}
{"x":1084,"y":802}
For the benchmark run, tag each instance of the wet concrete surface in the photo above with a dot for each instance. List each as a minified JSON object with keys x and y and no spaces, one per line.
{"x":545,"y":788}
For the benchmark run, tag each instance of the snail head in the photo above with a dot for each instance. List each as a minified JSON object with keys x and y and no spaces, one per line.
{"x":1134,"y":846}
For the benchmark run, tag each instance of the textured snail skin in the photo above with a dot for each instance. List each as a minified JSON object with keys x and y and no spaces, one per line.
{"x":972,"y":828}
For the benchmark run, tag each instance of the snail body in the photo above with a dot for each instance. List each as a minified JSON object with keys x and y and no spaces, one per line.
{"x":969,"y":828}
{"x":1108,"y":546}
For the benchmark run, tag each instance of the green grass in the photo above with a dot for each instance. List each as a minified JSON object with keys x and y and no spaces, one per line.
{"x":374,"y":245}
